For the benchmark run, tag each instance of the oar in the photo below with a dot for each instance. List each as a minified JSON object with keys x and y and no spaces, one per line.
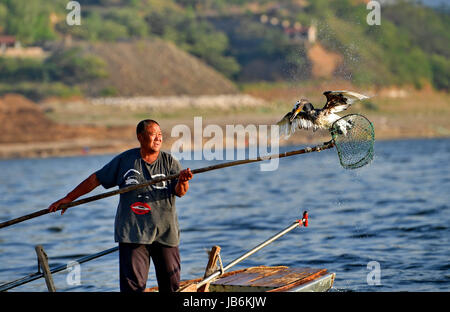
{"x":317,"y":148}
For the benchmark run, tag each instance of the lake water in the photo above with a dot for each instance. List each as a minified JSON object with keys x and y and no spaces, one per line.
{"x":393,"y":213}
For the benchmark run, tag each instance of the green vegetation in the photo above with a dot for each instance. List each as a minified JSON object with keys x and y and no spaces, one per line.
{"x":66,"y":66}
{"x":58,"y":75}
{"x":69,"y":67}
{"x":28,"y":20}
{"x":400,"y":51}
{"x":195,"y":36}
{"x":38,"y":91}
{"x":410,"y":47}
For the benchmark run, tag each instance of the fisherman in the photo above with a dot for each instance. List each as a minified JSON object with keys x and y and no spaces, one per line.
{"x":146,"y":223}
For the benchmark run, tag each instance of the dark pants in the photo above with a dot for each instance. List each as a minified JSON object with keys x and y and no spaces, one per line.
{"x":134,"y":263}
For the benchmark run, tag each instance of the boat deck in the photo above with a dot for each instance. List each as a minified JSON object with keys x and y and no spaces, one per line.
{"x":269,"y":279}
{"x":273,"y":279}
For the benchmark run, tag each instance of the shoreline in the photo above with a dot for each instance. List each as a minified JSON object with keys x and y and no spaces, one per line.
{"x":88,"y":147}
{"x":64,"y":128}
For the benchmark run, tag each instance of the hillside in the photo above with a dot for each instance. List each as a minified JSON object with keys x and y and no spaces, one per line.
{"x":192,"y":52}
{"x":27,"y":132}
{"x":155,"y":67}
{"x":21,"y":117}
{"x":246,"y":41}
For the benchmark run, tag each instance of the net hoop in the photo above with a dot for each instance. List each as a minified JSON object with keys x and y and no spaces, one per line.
{"x":354,"y":137}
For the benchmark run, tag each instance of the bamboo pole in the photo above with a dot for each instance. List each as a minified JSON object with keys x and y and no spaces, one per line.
{"x":318,"y":148}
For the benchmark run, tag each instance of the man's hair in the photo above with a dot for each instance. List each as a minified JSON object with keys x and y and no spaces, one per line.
{"x":142,"y":125}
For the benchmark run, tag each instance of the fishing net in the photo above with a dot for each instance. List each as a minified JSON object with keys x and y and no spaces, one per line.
{"x":354,"y":136}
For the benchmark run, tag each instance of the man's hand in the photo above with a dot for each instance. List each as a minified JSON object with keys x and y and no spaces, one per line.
{"x":185,"y":175}
{"x":54,"y":207}
{"x":83,"y":188}
{"x":183,"y":182}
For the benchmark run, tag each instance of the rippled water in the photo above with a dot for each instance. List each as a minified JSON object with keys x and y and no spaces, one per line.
{"x":394,"y":211}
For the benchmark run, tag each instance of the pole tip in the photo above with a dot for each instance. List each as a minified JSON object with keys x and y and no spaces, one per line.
{"x":305,"y":218}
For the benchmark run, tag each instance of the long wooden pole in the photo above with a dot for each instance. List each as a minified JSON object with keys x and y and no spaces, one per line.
{"x":317,"y":148}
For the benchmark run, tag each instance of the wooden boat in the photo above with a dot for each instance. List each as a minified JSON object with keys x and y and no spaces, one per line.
{"x":260,"y":278}
{"x":267,"y":279}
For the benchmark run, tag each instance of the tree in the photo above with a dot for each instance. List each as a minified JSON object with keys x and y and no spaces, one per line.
{"x":441,"y":72}
{"x":71,"y":67}
{"x":3,"y":15}
{"x":28,"y":20}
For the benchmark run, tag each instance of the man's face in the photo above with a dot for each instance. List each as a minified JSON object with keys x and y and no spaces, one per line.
{"x":151,"y":138}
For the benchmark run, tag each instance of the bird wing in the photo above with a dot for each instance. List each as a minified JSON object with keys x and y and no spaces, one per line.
{"x":301,"y":121}
{"x":338,"y":101}
{"x":285,"y":126}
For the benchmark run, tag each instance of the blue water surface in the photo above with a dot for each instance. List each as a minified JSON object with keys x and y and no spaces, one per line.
{"x":393,"y":212}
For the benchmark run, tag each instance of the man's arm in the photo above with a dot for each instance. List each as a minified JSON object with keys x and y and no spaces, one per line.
{"x":83,"y":188}
{"x":183,"y":182}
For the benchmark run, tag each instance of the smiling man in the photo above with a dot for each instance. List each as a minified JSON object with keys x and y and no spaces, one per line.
{"x":146,"y":224}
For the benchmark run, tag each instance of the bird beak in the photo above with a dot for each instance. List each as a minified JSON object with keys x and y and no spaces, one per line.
{"x":295,"y":113}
